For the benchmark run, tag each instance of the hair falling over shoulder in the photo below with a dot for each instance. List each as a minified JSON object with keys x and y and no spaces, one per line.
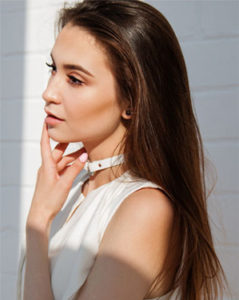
{"x":163,"y":142}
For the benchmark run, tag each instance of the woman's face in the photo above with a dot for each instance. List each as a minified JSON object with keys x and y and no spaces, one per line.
{"x":86,"y":102}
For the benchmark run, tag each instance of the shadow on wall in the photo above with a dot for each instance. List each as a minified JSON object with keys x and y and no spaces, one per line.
{"x":13,"y":15}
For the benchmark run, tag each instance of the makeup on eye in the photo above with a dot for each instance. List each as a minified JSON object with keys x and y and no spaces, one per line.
{"x":70,"y":66}
{"x":73,"y":79}
{"x":52,"y":66}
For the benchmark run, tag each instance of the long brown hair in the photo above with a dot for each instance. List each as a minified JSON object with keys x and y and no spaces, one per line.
{"x":163,"y":142}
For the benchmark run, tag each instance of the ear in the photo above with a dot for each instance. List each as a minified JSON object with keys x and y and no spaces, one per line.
{"x":127,"y":114}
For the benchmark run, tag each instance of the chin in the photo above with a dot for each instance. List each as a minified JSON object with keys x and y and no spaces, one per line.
{"x":63,"y":139}
{"x":58,"y":138}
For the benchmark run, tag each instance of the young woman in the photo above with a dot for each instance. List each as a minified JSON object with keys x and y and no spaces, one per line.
{"x":125,"y":217}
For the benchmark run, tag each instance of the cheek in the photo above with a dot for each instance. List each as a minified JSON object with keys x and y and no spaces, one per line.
{"x":94,"y":116}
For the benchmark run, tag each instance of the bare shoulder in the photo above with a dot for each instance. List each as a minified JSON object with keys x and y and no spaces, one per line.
{"x":149,"y":208}
{"x":133,"y":249}
{"x":148,"y":202}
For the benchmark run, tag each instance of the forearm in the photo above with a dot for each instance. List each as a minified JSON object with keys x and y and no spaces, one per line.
{"x":37,"y":283}
{"x":54,"y":181}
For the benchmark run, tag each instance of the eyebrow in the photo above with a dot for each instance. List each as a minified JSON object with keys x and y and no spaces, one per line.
{"x":74,"y":67}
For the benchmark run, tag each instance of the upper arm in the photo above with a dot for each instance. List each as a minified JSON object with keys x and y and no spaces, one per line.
{"x":133,"y":248}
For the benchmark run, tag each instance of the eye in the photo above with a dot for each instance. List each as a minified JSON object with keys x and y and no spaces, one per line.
{"x":75,"y":81}
{"x":52,"y":66}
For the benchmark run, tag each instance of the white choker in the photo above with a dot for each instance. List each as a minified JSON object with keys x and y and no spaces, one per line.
{"x":104,"y":163}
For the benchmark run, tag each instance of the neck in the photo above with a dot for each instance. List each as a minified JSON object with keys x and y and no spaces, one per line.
{"x":102,"y":177}
{"x":97,"y":166}
{"x":105,"y":163}
{"x":106,"y":149}
{"x":102,"y":171}
{"x":100,"y":154}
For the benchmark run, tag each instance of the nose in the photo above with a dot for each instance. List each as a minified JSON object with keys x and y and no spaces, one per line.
{"x":52,"y":92}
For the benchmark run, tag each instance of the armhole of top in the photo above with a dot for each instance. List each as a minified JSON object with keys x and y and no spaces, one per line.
{"x":144,"y":186}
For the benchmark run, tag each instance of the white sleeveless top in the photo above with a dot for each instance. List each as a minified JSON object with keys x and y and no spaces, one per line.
{"x":74,"y":241}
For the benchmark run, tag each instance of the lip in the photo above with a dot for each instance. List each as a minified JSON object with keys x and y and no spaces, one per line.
{"x":51,"y":118}
{"x":50,"y":115}
{"x":52,"y":121}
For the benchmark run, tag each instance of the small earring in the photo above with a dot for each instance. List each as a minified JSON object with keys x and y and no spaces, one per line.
{"x":128,"y":112}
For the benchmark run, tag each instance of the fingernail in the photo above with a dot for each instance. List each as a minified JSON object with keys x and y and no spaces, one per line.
{"x":83,"y":157}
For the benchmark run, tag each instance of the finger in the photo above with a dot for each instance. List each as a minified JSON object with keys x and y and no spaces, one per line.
{"x":64,"y":163}
{"x":69,"y":158}
{"x":58,"y":151}
{"x":72,"y":171}
{"x":45,"y":146}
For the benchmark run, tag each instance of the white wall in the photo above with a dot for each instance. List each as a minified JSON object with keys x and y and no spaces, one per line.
{"x":209,"y":34}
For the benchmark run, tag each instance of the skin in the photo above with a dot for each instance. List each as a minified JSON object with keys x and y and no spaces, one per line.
{"x":90,"y":111}
{"x":144,"y":220}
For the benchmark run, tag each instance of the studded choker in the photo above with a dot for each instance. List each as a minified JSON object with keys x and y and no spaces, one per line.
{"x":98,"y":165}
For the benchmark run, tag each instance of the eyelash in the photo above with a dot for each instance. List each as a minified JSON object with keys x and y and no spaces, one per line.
{"x":73,"y":81}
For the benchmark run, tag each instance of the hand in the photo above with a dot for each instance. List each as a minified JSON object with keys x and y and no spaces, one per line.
{"x":54,"y":180}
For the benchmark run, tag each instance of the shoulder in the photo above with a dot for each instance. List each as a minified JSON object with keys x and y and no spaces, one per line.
{"x":147,"y":206}
{"x":133,"y":249}
{"x":148,"y":200}
{"x":140,"y":230}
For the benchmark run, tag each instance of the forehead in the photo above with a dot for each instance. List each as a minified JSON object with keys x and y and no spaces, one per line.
{"x":76,"y":45}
